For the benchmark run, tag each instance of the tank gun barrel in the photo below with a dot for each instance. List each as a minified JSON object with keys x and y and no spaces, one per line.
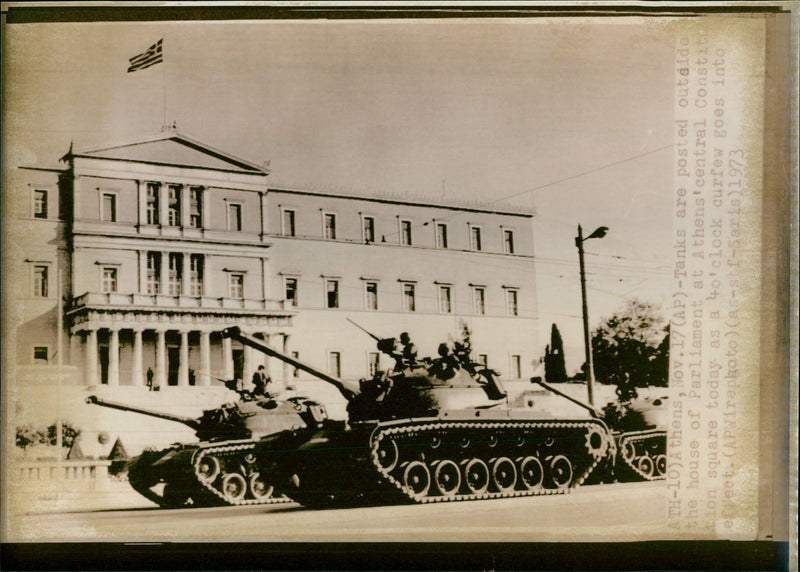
{"x":188,"y":421}
{"x":235,"y":333}
{"x":366,"y":331}
{"x":548,"y":387}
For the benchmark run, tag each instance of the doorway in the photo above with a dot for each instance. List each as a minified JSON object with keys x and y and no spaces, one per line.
{"x":173,"y":364}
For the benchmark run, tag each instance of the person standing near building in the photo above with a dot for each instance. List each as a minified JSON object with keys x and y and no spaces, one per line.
{"x":150,"y":379}
{"x":260,"y":381}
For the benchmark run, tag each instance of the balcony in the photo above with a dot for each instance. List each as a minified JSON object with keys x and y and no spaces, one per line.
{"x":165,"y":302}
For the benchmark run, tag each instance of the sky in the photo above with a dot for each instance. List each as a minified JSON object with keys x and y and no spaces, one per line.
{"x":571,"y":118}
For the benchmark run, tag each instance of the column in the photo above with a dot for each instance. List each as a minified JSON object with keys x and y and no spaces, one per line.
{"x":75,"y":349}
{"x":161,"y":359}
{"x":164,"y":274}
{"x":204,"y":207}
{"x":141,"y":195}
{"x":183,"y":366}
{"x":264,"y":358}
{"x":142,"y":254}
{"x":91,"y":357}
{"x":185,"y":206}
{"x":185,"y":273}
{"x":227,"y":358}
{"x":285,"y":373}
{"x":204,"y":377}
{"x":264,"y":211}
{"x":248,"y":367}
{"x":163,"y":203}
{"x":113,"y":358}
{"x":137,"y":358}
{"x":264,"y":278}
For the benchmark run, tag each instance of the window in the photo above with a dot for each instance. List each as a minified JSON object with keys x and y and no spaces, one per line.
{"x":196,"y":263}
{"x":405,"y":232}
{"x":335,"y":364}
{"x":295,"y":371}
{"x":287,"y":223}
{"x":109,"y":281}
{"x":508,"y":241}
{"x":39,"y":203}
{"x":332,"y":287}
{"x":330,"y":226}
{"x":475,"y":237}
{"x":445,"y":302}
{"x":516,"y":367}
{"x":373,"y":363}
{"x":174,"y":206}
{"x":236,"y":285}
{"x":153,"y":272}
{"x":175,"y":276}
{"x":196,"y":207}
{"x":441,"y":235}
{"x":483,"y":359}
{"x":511,"y":303}
{"x":479,"y":300}
{"x":371,"y":295}
{"x":368,"y":228}
{"x":152,"y":203}
{"x":108,"y":207}
{"x":40,"y":281}
{"x":234,"y":216}
{"x":40,"y":355}
{"x":290,"y":290}
{"x":409,"y":298}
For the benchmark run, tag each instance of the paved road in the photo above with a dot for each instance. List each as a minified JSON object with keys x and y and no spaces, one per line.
{"x":601,"y":512}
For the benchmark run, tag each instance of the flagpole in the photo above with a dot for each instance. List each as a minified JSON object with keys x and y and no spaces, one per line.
{"x":164,"y":77}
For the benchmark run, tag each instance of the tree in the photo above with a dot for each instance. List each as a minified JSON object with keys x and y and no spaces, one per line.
{"x":555,"y":368}
{"x":629,"y":349}
{"x":27,"y":436}
{"x":68,"y":434}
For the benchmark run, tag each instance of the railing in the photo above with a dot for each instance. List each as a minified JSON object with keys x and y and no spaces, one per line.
{"x":86,"y":474}
{"x":188,"y":302}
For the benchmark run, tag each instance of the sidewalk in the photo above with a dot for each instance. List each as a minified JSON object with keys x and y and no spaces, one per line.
{"x":114,"y":495}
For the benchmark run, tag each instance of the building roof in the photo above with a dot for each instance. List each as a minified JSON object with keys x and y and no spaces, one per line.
{"x":175,"y":149}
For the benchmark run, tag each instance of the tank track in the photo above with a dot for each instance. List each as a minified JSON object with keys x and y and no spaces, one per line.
{"x":229,"y":474}
{"x":468,"y":460}
{"x":644,"y":453}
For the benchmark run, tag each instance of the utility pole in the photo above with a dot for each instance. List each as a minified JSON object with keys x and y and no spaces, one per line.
{"x":598,"y":233}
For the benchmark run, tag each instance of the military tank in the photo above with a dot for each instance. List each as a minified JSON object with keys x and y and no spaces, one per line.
{"x":641,"y":439}
{"x":220,"y":469}
{"x":431,"y":430}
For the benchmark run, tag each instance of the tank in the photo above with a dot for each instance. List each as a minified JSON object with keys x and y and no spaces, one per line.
{"x":429,"y":430}
{"x":220,"y":469}
{"x":640,"y":436}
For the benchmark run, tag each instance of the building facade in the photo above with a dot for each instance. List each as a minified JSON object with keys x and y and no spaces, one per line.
{"x":156,"y":245}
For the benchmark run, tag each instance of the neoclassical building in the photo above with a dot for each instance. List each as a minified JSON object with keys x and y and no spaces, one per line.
{"x":158,"y":244}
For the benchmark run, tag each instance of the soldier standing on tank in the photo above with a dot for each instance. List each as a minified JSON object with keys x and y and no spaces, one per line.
{"x":409,"y":354}
{"x":445,"y":366}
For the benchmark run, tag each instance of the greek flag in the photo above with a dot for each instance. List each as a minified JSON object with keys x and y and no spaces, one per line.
{"x":154,"y":55}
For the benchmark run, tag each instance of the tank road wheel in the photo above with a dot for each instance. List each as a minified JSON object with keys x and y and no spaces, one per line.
{"x":417,"y":479}
{"x":447,"y":477}
{"x":259,"y":488}
{"x":531,"y":472}
{"x":629,"y":451}
{"x":387,"y":454}
{"x":234,"y":487}
{"x":208,"y":469}
{"x":463,"y":442}
{"x":560,"y":472}
{"x":661,"y":465}
{"x":476,"y":476}
{"x":492,"y":440}
{"x":504,"y":474}
{"x":646,"y":466}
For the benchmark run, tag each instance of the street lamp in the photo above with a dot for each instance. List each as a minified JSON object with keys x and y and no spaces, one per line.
{"x":600,"y":232}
